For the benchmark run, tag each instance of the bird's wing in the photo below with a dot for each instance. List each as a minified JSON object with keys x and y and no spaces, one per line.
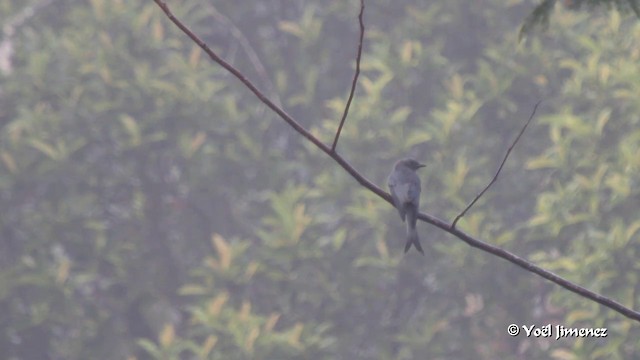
{"x":413,"y":191}
{"x":392,"y":183}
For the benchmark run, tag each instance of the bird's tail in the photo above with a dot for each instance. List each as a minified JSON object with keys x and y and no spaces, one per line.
{"x":412,"y":233}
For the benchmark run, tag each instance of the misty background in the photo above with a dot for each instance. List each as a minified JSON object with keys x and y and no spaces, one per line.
{"x":151,"y":207}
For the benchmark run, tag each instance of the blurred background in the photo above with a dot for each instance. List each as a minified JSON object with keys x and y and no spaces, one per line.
{"x":152,"y":208}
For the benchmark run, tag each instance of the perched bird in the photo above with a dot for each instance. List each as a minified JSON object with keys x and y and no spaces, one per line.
{"x":404,"y":185}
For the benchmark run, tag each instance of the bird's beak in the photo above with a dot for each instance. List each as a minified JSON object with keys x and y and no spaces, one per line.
{"x":421,"y":166}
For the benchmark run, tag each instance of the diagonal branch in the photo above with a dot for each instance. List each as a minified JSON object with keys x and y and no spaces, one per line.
{"x":611,"y":304}
{"x":495,"y":177}
{"x":246,"y":46}
{"x":634,"y":7}
{"x":355,"y":78}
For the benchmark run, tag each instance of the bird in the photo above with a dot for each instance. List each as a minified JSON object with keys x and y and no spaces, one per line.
{"x":404,"y":185}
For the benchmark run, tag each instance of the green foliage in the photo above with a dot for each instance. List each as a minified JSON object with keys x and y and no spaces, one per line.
{"x":152,"y":208}
{"x":540,"y":15}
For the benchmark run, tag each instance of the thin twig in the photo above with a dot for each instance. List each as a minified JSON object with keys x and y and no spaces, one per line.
{"x":9,"y":30}
{"x":355,"y":78}
{"x":611,"y":304}
{"x":251,"y":54}
{"x":634,"y":7}
{"x":495,"y":177}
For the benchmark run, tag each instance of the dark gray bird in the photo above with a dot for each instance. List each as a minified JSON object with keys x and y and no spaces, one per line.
{"x":404,"y":185}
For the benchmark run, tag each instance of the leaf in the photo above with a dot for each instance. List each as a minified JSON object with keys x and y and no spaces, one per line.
{"x":215,"y":306}
{"x":541,"y":162}
{"x":366,"y":84}
{"x":167,"y":336}
{"x":578,"y":315}
{"x":251,"y":270}
{"x":604,"y":73}
{"x":565,"y":264}
{"x":460,"y":173}
{"x":456,"y":86}
{"x":194,"y":56}
{"x":418,"y":137}
{"x":614,"y":20}
{"x":632,"y":229}
{"x":577,"y":125}
{"x":539,"y":17}
{"x":251,"y":339}
{"x":208,"y":346}
{"x":381,"y":247}
{"x":8,"y":161}
{"x":223,"y":249}
{"x":63,"y":271}
{"x":337,"y":105}
{"x":302,"y":221}
{"x":192,"y":289}
{"x":504,"y":238}
{"x":271,"y":322}
{"x":577,"y":218}
{"x":294,"y":335}
{"x":132,"y":128}
{"x":563,"y":354}
{"x":98,"y":8}
{"x":245,"y":311}
{"x":338,"y":238}
{"x":619,"y":184}
{"x":44,"y":148}
{"x":406,"y":53}
{"x":143,"y":18}
{"x":400,"y":115}
{"x":149,"y":347}
{"x":570,"y":64}
{"x":196,"y":143}
{"x":249,"y":144}
{"x":291,"y":28}
{"x":538,"y":220}
{"x":157,"y":31}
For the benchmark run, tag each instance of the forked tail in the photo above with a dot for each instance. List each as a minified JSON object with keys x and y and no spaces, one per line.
{"x":412,"y":233}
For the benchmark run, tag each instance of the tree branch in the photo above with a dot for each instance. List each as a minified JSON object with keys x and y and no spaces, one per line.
{"x":634,"y":7}
{"x":251,"y":54}
{"x":495,"y":177}
{"x":355,"y":77}
{"x":369,"y":185}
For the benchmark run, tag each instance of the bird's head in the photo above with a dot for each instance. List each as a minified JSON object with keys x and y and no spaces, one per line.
{"x":410,"y":163}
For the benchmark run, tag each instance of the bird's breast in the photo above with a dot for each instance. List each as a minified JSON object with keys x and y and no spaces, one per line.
{"x":403,"y":192}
